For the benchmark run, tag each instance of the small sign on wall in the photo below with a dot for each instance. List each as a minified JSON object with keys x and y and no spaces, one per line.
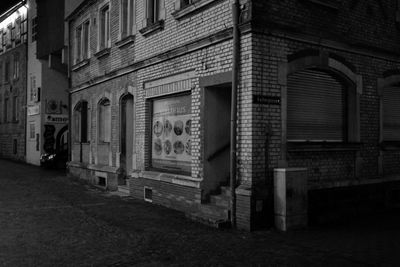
{"x":266,"y":100}
{"x":52,"y":118}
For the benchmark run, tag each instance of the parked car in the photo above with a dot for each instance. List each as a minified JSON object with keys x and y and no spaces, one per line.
{"x":55,"y":160}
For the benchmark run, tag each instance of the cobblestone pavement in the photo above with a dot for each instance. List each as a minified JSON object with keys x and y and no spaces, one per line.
{"x":47,"y":219}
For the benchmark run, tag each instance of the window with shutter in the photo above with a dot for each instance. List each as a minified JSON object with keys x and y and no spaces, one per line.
{"x":391,"y":114}
{"x":316,"y":107}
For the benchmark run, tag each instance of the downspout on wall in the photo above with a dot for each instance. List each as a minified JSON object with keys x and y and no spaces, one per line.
{"x":235,"y":74}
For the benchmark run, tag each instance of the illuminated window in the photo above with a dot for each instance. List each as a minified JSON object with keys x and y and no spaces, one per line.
{"x":82,"y":42}
{"x":127,"y":18}
{"x":104,"y":28}
{"x":104,"y":121}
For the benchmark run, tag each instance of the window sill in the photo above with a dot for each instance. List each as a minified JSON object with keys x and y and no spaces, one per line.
{"x":191,"y":8}
{"x":103,"y":52}
{"x":335,"y":4}
{"x":154,"y":27}
{"x":390,"y":145}
{"x":130,"y":39}
{"x":322,"y":146}
{"x":80,"y":64}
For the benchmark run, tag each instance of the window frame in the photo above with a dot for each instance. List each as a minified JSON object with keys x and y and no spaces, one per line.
{"x":127,"y":28}
{"x":345,"y":109}
{"x":15,"y":106}
{"x":104,"y":121}
{"x":82,"y":41}
{"x":384,"y":138}
{"x":81,"y":122}
{"x":104,"y":27}
{"x":151,"y":117}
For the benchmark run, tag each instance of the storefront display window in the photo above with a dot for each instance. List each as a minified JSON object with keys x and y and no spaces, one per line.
{"x":171,"y":134}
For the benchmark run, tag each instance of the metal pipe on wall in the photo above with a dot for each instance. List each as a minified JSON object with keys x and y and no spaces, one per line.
{"x":235,"y":74}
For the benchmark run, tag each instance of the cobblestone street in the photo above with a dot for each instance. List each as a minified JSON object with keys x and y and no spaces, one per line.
{"x":47,"y":219}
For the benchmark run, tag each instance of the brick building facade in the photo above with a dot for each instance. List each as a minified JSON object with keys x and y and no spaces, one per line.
{"x":13,"y":82}
{"x":151,"y":100}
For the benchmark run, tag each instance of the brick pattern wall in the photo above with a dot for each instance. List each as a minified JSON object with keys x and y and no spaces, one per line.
{"x":362,"y":23}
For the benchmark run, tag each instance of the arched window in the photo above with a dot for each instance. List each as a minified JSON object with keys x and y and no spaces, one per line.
{"x":391,"y":113}
{"x":80,"y":132}
{"x":317,"y":107}
{"x":104,"y":121}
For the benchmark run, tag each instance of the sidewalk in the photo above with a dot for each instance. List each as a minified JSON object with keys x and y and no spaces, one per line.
{"x":47,"y":219}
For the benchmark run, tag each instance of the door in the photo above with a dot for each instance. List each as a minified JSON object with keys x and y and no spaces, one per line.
{"x":126,"y":134}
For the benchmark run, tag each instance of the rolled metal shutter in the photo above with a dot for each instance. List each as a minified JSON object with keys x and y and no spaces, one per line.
{"x":391,"y":114}
{"x":315,"y":107}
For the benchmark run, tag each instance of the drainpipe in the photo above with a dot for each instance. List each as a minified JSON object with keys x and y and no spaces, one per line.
{"x":235,"y":72}
{"x":68,"y":60}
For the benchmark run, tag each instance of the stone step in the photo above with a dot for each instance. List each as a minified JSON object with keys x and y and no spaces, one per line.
{"x":220,"y":200}
{"x":210,"y":220}
{"x":226,"y":190}
{"x":214,"y":211}
{"x":124,"y":189}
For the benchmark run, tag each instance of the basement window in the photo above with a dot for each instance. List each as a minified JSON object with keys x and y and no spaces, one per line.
{"x":102,"y":181}
{"x":148,"y":194}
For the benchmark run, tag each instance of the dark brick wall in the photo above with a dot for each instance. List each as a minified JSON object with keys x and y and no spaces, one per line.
{"x":362,"y":23}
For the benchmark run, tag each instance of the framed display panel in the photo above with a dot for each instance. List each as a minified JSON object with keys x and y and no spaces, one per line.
{"x":171,"y":134}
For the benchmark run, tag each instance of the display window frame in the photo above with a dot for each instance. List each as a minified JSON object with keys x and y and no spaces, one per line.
{"x":176,"y":169}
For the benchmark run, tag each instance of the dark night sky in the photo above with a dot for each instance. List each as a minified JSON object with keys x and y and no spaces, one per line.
{"x":6,"y":4}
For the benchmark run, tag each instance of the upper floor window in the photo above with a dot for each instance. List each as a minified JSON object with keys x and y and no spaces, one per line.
{"x":1,"y":41}
{"x":17,"y":30}
{"x":7,"y":72}
{"x":8,"y":41}
{"x":104,"y":27}
{"x":154,"y":11}
{"x":82,"y":42}
{"x":34,"y":29}
{"x":127,"y":18}
{"x":391,"y":114}
{"x":104,"y":121}
{"x":16,"y":66}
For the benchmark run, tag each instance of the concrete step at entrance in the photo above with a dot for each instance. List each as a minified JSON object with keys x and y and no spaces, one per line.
{"x":220,"y":200}
{"x":210,"y":220}
{"x":226,"y":190}
{"x":123,"y":189}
